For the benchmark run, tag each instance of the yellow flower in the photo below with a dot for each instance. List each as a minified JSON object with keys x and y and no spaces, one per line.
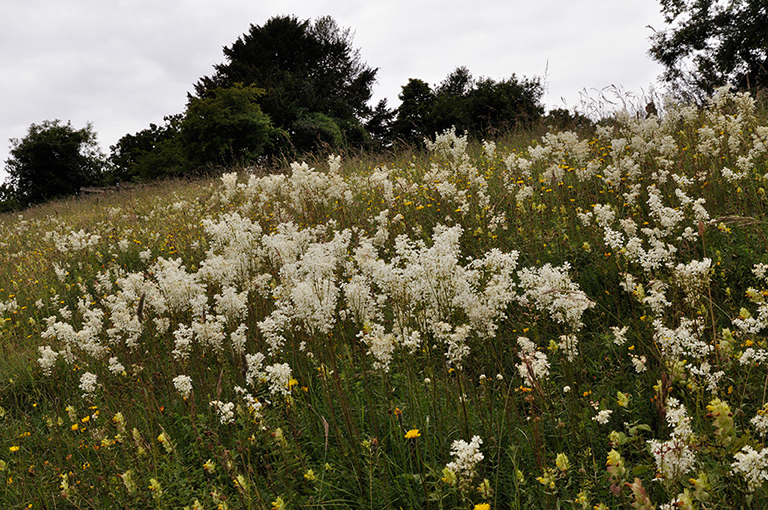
{"x":413,"y":433}
{"x":482,"y":506}
{"x":449,"y":476}
{"x":241,"y":483}
{"x":14,"y":448}
{"x":310,"y":475}
{"x":156,"y":488}
{"x":278,"y":504}
{"x":622,"y":399}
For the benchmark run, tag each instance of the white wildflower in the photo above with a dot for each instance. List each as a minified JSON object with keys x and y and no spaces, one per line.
{"x":115,"y":366}
{"x":466,"y":456}
{"x":675,"y":457}
{"x":570,"y":345}
{"x":47,"y":359}
{"x":534,"y":365}
{"x":238,"y":338}
{"x":639,"y":363}
{"x":183,"y":342}
{"x":88,"y":385}
{"x":183,"y":384}
{"x":602,"y":417}
{"x":279,"y":377}
{"x":619,"y":335}
{"x":760,"y":421}
{"x":752,"y":466}
{"x":226,"y":411}
{"x":381,"y":345}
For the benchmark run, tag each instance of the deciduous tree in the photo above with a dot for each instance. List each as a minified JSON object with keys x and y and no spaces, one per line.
{"x":710,"y":43}
{"x":226,"y":127}
{"x":53,"y":160}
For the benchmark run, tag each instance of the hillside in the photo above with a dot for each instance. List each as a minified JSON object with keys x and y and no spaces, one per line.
{"x":579,"y":320}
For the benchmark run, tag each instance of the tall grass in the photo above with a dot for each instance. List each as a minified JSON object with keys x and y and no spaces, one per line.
{"x":577,"y":321}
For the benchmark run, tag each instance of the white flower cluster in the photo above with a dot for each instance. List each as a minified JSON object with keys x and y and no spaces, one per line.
{"x":602,"y":417}
{"x":466,"y":456}
{"x":279,"y":377}
{"x":73,"y":241}
{"x":675,"y":457}
{"x":551,"y":289}
{"x":381,"y":345}
{"x":752,"y":466}
{"x":693,"y":278}
{"x":682,"y":342}
{"x":88,"y":385}
{"x":746,"y":322}
{"x":183,"y":384}
{"x":225,"y":410}
{"x":534,"y":365}
{"x":450,"y":149}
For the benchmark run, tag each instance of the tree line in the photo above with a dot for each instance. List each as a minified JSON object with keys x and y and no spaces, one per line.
{"x":294,"y":86}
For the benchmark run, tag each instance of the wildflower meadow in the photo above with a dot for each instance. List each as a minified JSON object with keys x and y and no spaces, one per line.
{"x":574,"y":320}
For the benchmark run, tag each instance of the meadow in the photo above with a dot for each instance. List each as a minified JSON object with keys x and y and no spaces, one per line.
{"x":573,"y":320}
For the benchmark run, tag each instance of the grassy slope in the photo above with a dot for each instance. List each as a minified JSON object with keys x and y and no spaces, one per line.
{"x":377,"y":316}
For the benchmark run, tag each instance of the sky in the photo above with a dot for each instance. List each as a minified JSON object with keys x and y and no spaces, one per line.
{"x":123,"y":64}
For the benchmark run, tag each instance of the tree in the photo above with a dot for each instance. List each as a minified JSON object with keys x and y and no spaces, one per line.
{"x":413,"y":121}
{"x":506,"y":104}
{"x":8,"y":201}
{"x":149,"y":154}
{"x":305,"y":69}
{"x":479,"y":107}
{"x":712,"y":43}
{"x":53,"y":160}
{"x":227,"y":127}
{"x":379,"y":125}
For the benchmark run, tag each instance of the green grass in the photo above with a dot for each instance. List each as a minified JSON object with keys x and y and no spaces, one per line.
{"x":355,"y":322}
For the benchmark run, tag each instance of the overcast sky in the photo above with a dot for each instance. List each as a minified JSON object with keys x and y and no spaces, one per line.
{"x":123,"y":64}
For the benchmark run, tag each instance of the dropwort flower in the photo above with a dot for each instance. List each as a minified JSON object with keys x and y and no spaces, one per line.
{"x":183,"y":384}
{"x":752,"y":466}
{"x":465,"y":458}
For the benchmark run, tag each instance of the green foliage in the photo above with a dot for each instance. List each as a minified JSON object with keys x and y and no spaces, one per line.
{"x":316,"y":130}
{"x":303,"y":67}
{"x":379,"y":125}
{"x":53,"y":160}
{"x":413,"y":122}
{"x":562,"y":321}
{"x":226,"y":127}
{"x":150,"y":154}
{"x":711,"y":44}
{"x":481,"y":107}
{"x":7,"y":198}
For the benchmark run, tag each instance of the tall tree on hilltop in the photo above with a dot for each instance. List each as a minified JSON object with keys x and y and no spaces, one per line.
{"x":310,"y":72}
{"x":52,"y":161}
{"x":712,"y":43}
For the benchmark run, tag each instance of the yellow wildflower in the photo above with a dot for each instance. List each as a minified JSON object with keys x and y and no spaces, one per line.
{"x":413,"y":433}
